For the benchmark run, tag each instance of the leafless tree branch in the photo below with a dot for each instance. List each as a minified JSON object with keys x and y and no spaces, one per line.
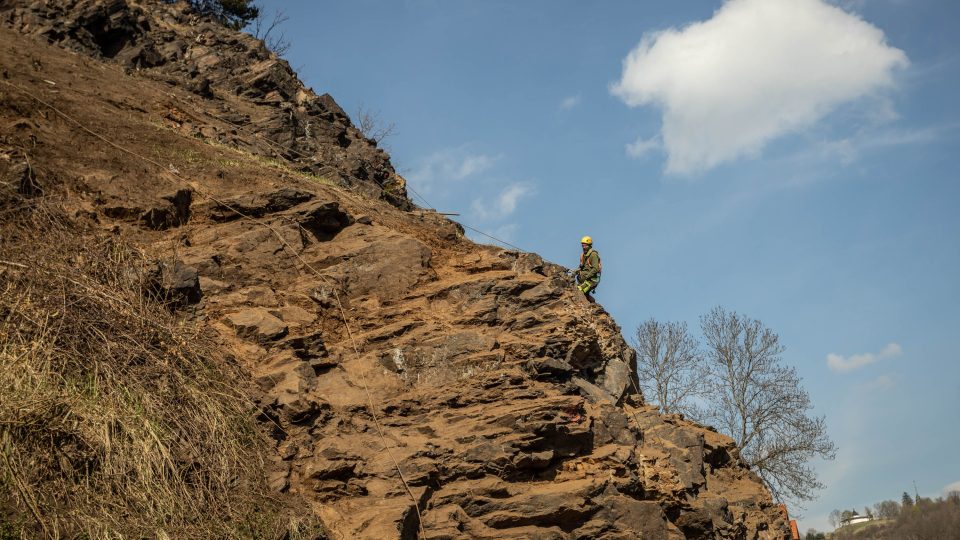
{"x":762,"y":405}
{"x":372,"y":127}
{"x":271,"y":33}
{"x":669,"y":365}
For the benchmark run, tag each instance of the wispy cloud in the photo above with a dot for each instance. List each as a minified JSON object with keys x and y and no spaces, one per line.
{"x":850,"y":149}
{"x":642,"y":147}
{"x":856,"y":5}
{"x":844,"y":364}
{"x":883,"y":382}
{"x":472,"y":165}
{"x":569,"y":102}
{"x":758,"y":69}
{"x":504,"y":204}
{"x":451,"y":164}
{"x":506,"y":232}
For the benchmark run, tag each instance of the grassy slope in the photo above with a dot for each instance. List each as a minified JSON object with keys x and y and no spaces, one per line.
{"x":118,"y":416}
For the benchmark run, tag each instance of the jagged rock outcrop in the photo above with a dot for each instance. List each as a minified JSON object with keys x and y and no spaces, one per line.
{"x":168,"y":42}
{"x":375,"y":338}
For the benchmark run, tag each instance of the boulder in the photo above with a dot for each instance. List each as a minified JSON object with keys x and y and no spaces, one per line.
{"x":539,"y":295}
{"x":616,"y":379}
{"x":550,"y":369}
{"x":585,"y":353}
{"x":174,"y":213}
{"x":612,"y":425}
{"x":533,"y":460}
{"x":258,"y":205}
{"x":278,"y":478}
{"x":685,"y":448}
{"x":390,"y":517}
{"x":308,"y":347}
{"x":592,"y":392}
{"x":529,"y":263}
{"x":560,"y":504}
{"x":387,"y":268}
{"x":256,"y":324}
{"x":176,"y":283}
{"x":695,"y":523}
{"x":294,"y":316}
{"x":622,"y":517}
{"x":332,"y":467}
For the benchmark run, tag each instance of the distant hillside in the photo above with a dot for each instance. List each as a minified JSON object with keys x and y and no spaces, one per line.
{"x":925,"y":519}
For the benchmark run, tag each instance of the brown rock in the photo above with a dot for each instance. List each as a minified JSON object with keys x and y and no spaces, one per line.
{"x":173,"y":214}
{"x":176,"y":283}
{"x":257,"y":205}
{"x":622,"y":517}
{"x":387,"y":268}
{"x":256,"y":324}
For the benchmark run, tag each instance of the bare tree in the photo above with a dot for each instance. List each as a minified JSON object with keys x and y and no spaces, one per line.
{"x":887,"y":509}
{"x":372,"y":127}
{"x":271,"y":33}
{"x":834,"y":518}
{"x":669,"y":366}
{"x":762,"y":405}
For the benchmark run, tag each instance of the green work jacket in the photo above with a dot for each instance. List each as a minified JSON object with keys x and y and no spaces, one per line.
{"x":589,"y":265}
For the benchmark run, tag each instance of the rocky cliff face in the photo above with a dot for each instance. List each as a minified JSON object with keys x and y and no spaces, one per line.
{"x":168,"y":43}
{"x":377,"y":339}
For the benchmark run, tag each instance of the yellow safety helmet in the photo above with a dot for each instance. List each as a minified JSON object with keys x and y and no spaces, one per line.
{"x":586,"y":240}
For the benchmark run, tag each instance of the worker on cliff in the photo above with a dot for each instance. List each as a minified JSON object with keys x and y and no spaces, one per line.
{"x":588,"y":275}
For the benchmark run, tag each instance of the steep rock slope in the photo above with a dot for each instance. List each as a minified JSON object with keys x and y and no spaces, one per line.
{"x":167,"y":42}
{"x":380,"y":340}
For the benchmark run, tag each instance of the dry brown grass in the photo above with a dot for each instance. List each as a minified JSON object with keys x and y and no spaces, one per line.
{"x":118,"y":418}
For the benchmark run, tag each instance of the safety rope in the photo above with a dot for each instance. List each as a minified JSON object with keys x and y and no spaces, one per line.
{"x":478,"y":231}
{"x":286,"y":245}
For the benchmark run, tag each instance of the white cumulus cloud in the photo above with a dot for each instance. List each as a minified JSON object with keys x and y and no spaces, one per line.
{"x":505,"y":204}
{"x":756,"y":70}
{"x":843,"y":364}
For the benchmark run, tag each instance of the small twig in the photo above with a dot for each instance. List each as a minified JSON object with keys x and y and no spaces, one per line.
{"x":24,"y":492}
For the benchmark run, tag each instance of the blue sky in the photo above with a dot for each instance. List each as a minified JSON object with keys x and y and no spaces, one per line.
{"x":793,"y":160}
